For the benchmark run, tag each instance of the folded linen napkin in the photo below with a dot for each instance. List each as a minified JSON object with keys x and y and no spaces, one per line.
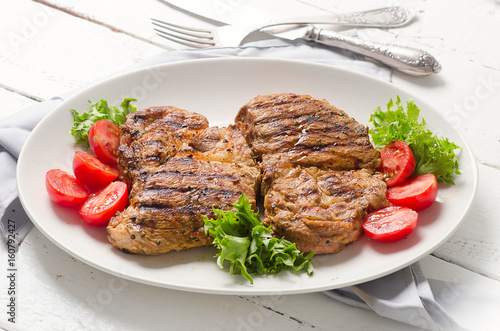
{"x":399,"y":296}
{"x":405,"y":296}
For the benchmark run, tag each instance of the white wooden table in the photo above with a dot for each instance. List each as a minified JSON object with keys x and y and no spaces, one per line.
{"x":48,"y":47}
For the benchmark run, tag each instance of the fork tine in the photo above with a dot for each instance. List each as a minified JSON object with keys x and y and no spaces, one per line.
{"x":190,"y":42}
{"x":173,"y":28}
{"x":181,"y":27}
{"x":197,"y":38}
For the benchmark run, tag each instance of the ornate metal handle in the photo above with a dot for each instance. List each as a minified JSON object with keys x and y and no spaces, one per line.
{"x":409,"y":60}
{"x":381,"y":17}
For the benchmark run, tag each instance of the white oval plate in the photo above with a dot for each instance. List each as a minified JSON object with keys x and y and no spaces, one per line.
{"x":217,"y":88}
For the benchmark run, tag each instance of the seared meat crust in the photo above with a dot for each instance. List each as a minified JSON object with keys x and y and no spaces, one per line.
{"x":150,"y":136}
{"x":167,"y":203}
{"x":177,"y":170}
{"x":307,"y":131}
{"x":320,"y":210}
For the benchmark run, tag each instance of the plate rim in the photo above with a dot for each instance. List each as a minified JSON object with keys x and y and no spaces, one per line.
{"x":244,"y":290}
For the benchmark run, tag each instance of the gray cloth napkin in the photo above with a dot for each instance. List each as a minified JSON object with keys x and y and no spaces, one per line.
{"x":404,"y":295}
{"x":14,"y":131}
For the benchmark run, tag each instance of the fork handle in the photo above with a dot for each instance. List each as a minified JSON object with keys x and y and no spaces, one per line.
{"x":409,"y":60}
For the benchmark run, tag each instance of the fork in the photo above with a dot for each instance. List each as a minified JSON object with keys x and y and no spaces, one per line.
{"x":232,"y":36}
{"x":226,"y":35}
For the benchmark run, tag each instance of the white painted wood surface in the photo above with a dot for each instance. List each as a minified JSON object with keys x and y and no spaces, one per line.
{"x":50,"y":47}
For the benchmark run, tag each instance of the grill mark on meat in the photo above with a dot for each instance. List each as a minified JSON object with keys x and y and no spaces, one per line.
{"x":172,"y":196}
{"x":283,"y":99}
{"x":284,"y":130}
{"x":164,"y":191}
{"x":161,"y":208}
{"x":178,"y":173}
{"x":182,"y":125}
{"x":313,"y":115}
{"x":154,"y":143}
{"x":186,"y":218}
{"x":323,"y":128}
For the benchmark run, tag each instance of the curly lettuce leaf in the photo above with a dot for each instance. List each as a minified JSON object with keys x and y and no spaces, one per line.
{"x":99,"y":111}
{"x":248,"y":245}
{"x":432,"y":154}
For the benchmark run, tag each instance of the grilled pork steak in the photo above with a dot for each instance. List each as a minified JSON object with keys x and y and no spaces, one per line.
{"x":318,"y":209}
{"x":311,"y":152}
{"x":177,"y":169}
{"x":307,"y":131}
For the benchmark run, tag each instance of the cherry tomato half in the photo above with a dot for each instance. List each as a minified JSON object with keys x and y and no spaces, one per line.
{"x":102,"y":205}
{"x":398,"y":162}
{"x":104,"y":139}
{"x":390,"y":223}
{"x":416,"y":193}
{"x":92,"y":172}
{"x":64,"y":189}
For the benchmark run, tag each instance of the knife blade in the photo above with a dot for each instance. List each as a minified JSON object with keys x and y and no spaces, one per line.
{"x":257,"y":13}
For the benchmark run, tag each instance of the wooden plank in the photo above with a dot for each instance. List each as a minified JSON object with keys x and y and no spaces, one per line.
{"x":475,"y":245}
{"x":12,"y":102}
{"x":435,"y":268}
{"x":48,"y":52}
{"x":118,"y":15}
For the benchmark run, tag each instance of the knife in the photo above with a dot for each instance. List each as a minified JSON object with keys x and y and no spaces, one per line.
{"x":257,"y":13}
{"x":412,"y":61}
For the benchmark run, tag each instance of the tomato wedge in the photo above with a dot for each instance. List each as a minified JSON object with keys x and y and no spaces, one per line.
{"x":64,"y":189}
{"x":102,"y":205}
{"x":390,"y":223}
{"x":104,"y":140}
{"x":92,"y":172}
{"x":398,"y":162}
{"x":416,"y":193}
